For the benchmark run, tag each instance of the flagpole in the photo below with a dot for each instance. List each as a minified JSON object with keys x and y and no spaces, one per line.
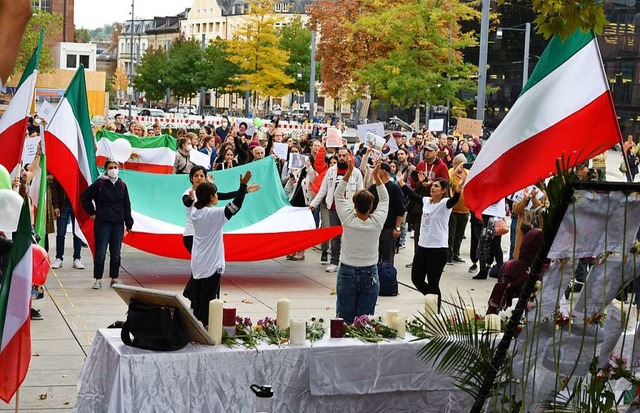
{"x":613,"y":107}
{"x":17,"y":407}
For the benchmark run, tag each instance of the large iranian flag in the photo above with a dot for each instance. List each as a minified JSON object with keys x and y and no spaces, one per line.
{"x":154,"y":154}
{"x":70,"y":151}
{"x":14,"y":121}
{"x":15,"y":293}
{"x":565,"y":111}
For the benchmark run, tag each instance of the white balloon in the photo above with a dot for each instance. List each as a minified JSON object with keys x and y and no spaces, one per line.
{"x":10,"y":206}
{"x":121,"y":150}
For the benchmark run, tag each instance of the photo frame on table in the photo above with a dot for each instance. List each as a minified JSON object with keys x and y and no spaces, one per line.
{"x":147,"y":296}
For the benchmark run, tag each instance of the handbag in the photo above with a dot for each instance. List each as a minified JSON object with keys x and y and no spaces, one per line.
{"x":154,"y":328}
{"x":500,"y":228}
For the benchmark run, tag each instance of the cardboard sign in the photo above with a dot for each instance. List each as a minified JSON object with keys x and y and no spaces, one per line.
{"x":297,"y":161}
{"x":199,"y":158}
{"x":280,"y":150}
{"x":375,"y":128}
{"x":468,"y":126}
{"x":436,"y":125}
{"x":46,"y":111}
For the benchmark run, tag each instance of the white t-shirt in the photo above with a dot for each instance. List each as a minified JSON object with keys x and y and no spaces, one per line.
{"x":207,"y":255}
{"x":188,"y":227}
{"x":434,"y":225}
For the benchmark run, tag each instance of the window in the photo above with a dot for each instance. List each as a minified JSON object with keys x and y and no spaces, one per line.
{"x":282,"y":7}
{"x":217,"y":27}
{"x":72,"y":61}
{"x":44,"y":5}
{"x":84,"y":60}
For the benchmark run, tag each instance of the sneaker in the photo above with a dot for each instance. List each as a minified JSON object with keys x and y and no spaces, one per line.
{"x":298,"y":257}
{"x":473,"y":268}
{"x":449,"y":261}
{"x":35,"y":314}
{"x":411,"y":234}
{"x":402,"y":246}
{"x":482,"y":275}
{"x":57,"y":264}
{"x":78,"y":265}
{"x":331,"y":268}
{"x":458,"y":259}
{"x":324,"y":257}
{"x":97,"y":285}
{"x":115,"y":281}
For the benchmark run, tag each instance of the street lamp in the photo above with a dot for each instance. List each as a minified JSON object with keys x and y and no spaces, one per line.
{"x":131,"y":59}
{"x":527,"y":39}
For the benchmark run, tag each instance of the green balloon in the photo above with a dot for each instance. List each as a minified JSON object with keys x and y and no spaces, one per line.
{"x":258,"y":122}
{"x":5,"y":178}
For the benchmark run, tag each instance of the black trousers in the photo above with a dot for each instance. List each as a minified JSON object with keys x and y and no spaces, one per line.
{"x":386,"y":246}
{"x":428,"y":262}
{"x":476,"y":231}
{"x":205,"y":290}
{"x":457,"y":225}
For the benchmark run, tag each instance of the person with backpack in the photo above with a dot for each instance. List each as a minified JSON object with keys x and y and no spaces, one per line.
{"x":107,"y":202}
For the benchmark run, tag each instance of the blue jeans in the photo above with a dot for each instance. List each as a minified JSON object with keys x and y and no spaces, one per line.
{"x":111,"y":234}
{"x":66,"y":215}
{"x":357,"y":291}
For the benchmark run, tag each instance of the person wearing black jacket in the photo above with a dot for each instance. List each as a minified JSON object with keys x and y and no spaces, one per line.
{"x":107,"y":202}
{"x":392,"y":225}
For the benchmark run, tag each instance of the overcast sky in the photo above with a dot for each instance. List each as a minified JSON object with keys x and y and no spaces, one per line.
{"x":91,"y":14}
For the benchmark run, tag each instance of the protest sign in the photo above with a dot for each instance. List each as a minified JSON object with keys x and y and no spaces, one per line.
{"x":375,"y":128}
{"x":469,"y":126}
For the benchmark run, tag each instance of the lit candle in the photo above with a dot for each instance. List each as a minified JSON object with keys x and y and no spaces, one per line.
{"x":400,"y":325}
{"x":469,"y":314}
{"x":492,"y":323}
{"x":215,"y":320}
{"x":283,"y":315}
{"x":298,"y":331}
{"x":229,"y":321}
{"x":391,"y":317}
{"x":431,"y":305}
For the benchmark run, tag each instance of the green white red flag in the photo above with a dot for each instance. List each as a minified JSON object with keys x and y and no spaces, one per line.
{"x":15,"y":293}
{"x":564,"y":111}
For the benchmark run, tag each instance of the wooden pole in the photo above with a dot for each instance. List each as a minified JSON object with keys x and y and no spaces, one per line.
{"x":17,"y":400}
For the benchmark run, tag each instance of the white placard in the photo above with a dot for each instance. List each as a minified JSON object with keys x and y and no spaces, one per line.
{"x":334,"y":138}
{"x":46,"y":111}
{"x":390,"y":147}
{"x":281,"y":149}
{"x":29,"y":149}
{"x":251,"y":129}
{"x":297,"y":160}
{"x":375,"y":128}
{"x":496,"y":210}
{"x":375,"y":142}
{"x":436,"y":125}
{"x":200,"y":158}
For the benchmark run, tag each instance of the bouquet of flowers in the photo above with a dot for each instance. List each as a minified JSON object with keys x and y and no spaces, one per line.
{"x":315,"y":329}
{"x":369,"y":330}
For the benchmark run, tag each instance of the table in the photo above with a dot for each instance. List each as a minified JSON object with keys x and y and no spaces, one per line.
{"x":333,"y":375}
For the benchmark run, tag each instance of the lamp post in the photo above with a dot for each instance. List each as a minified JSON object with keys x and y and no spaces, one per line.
{"x":482,"y":63}
{"x":527,"y":39}
{"x":131,"y":60}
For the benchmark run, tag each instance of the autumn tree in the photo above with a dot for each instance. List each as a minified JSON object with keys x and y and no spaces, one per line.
{"x":119,"y":81}
{"x":151,"y":74}
{"x":218,"y":72}
{"x":255,"y":50}
{"x":183,"y":69}
{"x":52,"y":24}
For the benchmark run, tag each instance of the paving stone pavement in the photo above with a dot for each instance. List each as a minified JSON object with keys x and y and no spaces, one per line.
{"x":73,"y":311}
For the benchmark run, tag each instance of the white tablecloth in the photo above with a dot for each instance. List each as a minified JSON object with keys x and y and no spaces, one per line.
{"x":335,"y":375}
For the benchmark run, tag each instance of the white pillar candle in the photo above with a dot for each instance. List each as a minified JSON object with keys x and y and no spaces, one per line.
{"x":283,"y":315}
{"x":400,"y":325}
{"x":469,"y":314}
{"x":492,"y":323}
{"x":215,"y":320}
{"x":391,"y":317}
{"x":431,"y":305}
{"x":298,"y":331}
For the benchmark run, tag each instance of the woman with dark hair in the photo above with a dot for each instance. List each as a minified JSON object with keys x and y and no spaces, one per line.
{"x":107,"y":203}
{"x":207,"y":258}
{"x":225,"y":160}
{"x":430,"y":256}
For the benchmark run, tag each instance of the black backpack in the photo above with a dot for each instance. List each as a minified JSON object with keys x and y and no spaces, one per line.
{"x":388,"y":276}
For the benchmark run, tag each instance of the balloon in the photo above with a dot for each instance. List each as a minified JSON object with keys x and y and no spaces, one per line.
{"x":5,"y":178}
{"x":41,"y":265}
{"x":10,"y":206}
{"x":121,"y":150}
{"x":258,"y":122}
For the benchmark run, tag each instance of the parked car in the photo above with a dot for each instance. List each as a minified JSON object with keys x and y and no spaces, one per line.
{"x":155,"y":113}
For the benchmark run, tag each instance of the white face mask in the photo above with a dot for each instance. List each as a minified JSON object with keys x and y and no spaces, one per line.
{"x":36,"y":121}
{"x":189,"y":147}
{"x":113,"y":173}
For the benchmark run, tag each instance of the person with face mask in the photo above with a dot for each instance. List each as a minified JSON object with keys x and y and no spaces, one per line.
{"x":182,"y":163}
{"x":107,"y":203}
{"x":223,"y":130}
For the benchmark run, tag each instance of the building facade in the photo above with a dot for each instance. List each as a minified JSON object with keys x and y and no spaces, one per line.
{"x":131,"y":51}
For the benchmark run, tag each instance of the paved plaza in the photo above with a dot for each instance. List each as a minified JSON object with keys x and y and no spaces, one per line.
{"x":73,"y":311}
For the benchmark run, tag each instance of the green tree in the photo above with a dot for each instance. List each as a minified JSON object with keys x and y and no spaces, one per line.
{"x":82,"y":36}
{"x":151,"y":74}
{"x":52,"y":24}
{"x":295,"y":38}
{"x":563,"y":17}
{"x":255,"y":50}
{"x":183,"y":68}
{"x":217,"y":71}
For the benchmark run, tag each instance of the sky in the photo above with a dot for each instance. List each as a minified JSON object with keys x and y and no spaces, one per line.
{"x":91,"y":14}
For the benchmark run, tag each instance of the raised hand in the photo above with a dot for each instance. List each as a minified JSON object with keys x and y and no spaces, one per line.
{"x":254,"y":188}
{"x":246,"y":178}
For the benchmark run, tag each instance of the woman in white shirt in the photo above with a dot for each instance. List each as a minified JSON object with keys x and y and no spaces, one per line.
{"x":430,"y":256}
{"x":207,"y":257}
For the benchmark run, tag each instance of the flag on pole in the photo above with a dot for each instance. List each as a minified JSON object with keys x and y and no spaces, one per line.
{"x":15,"y":293}
{"x":564,"y":111}
{"x":14,"y":121}
{"x":70,"y":149}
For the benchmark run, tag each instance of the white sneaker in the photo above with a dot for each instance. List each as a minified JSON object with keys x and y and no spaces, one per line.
{"x":78,"y":265}
{"x":331,"y":268}
{"x":57,"y":264}
{"x":97,"y":285}
{"x":411,"y":234}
